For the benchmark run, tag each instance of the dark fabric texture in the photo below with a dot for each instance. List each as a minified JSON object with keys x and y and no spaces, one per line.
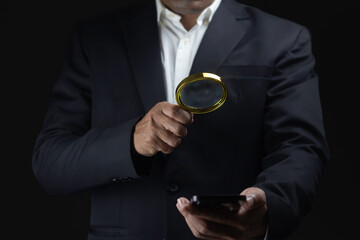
{"x":268,"y":134}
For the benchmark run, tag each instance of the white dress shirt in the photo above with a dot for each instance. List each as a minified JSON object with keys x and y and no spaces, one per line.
{"x":179,"y":46}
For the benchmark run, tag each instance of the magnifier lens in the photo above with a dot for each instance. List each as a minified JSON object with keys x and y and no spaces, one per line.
{"x":201,"y":94}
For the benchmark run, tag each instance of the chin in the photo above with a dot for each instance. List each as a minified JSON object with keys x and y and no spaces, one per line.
{"x":189,"y":6}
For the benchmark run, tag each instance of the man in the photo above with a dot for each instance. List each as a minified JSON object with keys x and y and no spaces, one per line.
{"x":109,"y":130}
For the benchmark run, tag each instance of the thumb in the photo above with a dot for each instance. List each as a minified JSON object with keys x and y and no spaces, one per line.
{"x":183,"y":205}
{"x":250,"y":202}
{"x":255,"y":198}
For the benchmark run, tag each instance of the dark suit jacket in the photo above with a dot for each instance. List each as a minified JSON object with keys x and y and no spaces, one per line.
{"x":268,"y":134}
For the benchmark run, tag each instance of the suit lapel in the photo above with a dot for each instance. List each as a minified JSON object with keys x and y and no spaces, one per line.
{"x":142,"y":39}
{"x":228,"y":26}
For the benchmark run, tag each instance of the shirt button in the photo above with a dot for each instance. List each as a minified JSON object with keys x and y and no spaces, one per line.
{"x":172,"y":188}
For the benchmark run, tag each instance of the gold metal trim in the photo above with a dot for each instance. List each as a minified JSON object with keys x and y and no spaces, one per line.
{"x":199,"y":77}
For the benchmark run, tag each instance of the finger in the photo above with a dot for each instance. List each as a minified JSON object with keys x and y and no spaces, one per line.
{"x":166,"y":136}
{"x":216,"y":215}
{"x":183,"y":205}
{"x":192,"y":117}
{"x":172,"y":125}
{"x":253,"y":214}
{"x":174,"y":112}
{"x":249,"y":203}
{"x":255,"y":198}
{"x":198,"y":234}
{"x":214,"y":230}
{"x":231,"y":206}
{"x":161,"y":146}
{"x":251,"y":224}
{"x":252,"y":217}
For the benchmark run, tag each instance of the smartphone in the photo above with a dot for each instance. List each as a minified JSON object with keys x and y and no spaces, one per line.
{"x":230,"y":202}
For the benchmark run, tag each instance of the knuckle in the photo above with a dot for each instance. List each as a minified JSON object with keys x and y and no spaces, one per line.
{"x":176,"y":141}
{"x":171,"y":143}
{"x":160,"y":104}
{"x":197,"y":234}
{"x":152,"y":129}
{"x":178,"y":127}
{"x":180,"y":130}
{"x":148,"y":138}
{"x":167,"y":149}
{"x":188,"y":118}
{"x":151,"y":116}
{"x":184,"y":132}
{"x":174,"y":128}
{"x":171,"y":111}
{"x":212,"y":218}
{"x":190,"y":121}
{"x":203,"y":228}
{"x":242,"y":228}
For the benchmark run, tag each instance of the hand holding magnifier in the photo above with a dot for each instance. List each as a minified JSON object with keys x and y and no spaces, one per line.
{"x":201,"y":93}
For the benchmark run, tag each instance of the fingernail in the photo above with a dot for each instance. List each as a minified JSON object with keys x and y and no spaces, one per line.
{"x":180,"y":202}
{"x":250,"y":200}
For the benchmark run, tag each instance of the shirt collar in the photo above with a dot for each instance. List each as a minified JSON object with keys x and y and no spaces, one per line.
{"x":204,"y":18}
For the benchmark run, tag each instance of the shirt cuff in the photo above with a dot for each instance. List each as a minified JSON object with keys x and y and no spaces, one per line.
{"x":266,"y":234}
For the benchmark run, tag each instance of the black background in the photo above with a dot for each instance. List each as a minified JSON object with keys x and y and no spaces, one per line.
{"x":34,"y":35}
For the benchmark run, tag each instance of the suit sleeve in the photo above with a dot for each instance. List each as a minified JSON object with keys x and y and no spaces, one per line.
{"x":69,"y":155}
{"x":295,"y":147}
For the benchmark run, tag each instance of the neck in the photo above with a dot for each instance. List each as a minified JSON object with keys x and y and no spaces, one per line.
{"x":189,"y":21}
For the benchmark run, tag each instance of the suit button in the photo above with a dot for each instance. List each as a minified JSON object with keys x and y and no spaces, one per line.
{"x":172,"y":187}
{"x":125,"y":179}
{"x":115,"y":180}
{"x":122,"y":179}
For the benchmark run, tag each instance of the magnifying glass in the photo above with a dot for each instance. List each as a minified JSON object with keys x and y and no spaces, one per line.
{"x":201,"y":93}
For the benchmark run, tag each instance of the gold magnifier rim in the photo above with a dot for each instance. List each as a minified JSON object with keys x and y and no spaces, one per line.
{"x":199,"y":77}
